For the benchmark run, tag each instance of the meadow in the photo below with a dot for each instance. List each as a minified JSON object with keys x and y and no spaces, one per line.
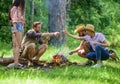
{"x":72,"y":74}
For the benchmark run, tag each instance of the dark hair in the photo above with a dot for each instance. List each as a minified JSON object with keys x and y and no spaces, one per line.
{"x":18,"y":3}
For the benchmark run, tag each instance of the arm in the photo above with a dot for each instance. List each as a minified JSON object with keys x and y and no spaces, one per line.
{"x":75,"y":37}
{"x":46,"y":40}
{"x":50,"y":34}
{"x":76,"y":50}
{"x":13,"y":15}
{"x":102,"y":41}
{"x":33,"y":34}
{"x":104,"y":44}
{"x":14,"y":26}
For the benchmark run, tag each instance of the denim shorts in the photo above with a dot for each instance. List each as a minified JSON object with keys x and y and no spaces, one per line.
{"x":19,"y":27}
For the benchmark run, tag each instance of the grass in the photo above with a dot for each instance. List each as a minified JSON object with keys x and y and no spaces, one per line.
{"x":108,"y":74}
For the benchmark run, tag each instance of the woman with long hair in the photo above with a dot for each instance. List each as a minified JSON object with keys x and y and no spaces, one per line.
{"x":16,"y":15}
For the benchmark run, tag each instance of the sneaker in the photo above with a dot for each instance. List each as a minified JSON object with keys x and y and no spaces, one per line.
{"x":12,"y":65}
{"x":97,"y":65}
{"x":19,"y":66}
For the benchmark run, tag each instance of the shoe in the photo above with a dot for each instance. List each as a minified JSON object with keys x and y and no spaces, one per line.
{"x":19,"y":66}
{"x":97,"y":65}
{"x":12,"y":65}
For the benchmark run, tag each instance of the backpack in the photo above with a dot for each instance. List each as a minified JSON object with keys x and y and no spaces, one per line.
{"x":113,"y":55}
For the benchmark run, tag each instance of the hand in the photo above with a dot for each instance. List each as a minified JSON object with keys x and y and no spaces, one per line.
{"x":94,"y":43}
{"x":47,"y":37}
{"x":71,"y":52}
{"x":14,"y":31}
{"x":65,"y":31}
{"x":24,"y":25}
{"x":56,"y":33}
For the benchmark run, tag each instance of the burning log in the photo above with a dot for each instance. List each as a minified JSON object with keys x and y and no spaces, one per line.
{"x":57,"y":60}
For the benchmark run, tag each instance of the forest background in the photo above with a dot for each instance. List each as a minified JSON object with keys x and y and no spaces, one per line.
{"x":103,"y":14}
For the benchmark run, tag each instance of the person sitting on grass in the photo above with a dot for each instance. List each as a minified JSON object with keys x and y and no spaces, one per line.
{"x":30,"y":50}
{"x":84,"y":47}
{"x":98,"y":43}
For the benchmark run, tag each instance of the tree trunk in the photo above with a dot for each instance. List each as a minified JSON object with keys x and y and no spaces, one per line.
{"x":57,"y":20}
{"x":31,"y":11}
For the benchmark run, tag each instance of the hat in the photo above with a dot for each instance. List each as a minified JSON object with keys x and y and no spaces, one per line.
{"x":79,"y":28}
{"x":90,"y":27}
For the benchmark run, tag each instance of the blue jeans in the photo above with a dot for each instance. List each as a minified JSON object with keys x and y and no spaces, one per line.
{"x":99,"y":54}
{"x":19,"y":27}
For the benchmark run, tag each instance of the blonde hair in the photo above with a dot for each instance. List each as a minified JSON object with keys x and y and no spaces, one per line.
{"x":79,"y":28}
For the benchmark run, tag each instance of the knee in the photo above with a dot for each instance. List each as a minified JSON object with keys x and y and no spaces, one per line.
{"x":97,"y":46}
{"x":31,"y":46}
{"x":81,"y":53}
{"x":45,"y":46}
{"x":89,"y":55}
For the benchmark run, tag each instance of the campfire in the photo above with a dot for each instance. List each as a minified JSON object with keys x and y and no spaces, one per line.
{"x":57,"y":60}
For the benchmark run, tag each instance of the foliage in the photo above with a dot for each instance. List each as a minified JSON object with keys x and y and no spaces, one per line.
{"x":40,"y":14}
{"x":104,"y":14}
{"x":5,"y":34}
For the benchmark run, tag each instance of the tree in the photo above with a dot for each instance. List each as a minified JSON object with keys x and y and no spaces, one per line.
{"x":57,"y":20}
{"x":31,"y":10}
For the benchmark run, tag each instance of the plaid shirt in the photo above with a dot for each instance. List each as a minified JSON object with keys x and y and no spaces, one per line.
{"x":16,"y":14}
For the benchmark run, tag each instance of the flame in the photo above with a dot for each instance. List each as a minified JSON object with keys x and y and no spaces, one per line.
{"x":56,"y":58}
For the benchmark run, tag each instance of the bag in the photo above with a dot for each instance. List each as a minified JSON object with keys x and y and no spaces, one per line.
{"x":113,"y":55}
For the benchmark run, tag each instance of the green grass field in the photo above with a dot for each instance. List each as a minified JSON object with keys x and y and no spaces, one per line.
{"x":108,"y":74}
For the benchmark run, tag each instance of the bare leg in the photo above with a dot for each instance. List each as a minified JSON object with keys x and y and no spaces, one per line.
{"x":41,"y":49}
{"x":29,"y":53}
{"x":17,"y":37}
{"x":81,"y":53}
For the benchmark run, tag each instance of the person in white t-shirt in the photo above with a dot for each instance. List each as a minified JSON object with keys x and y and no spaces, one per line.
{"x":98,"y":43}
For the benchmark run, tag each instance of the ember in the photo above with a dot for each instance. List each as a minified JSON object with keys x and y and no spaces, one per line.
{"x":58,"y":58}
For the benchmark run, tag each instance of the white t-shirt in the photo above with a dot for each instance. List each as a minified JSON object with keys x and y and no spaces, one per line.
{"x":99,"y":37}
